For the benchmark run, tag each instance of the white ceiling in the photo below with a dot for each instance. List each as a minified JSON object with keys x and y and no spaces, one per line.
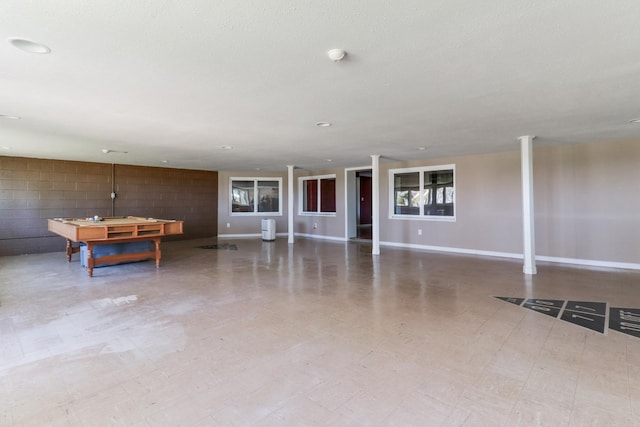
{"x":176,"y":80}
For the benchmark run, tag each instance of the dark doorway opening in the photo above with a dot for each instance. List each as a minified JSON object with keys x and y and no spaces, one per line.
{"x":363,"y":223}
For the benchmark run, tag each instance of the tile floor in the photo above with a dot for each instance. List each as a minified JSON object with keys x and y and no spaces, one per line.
{"x":315,"y":334}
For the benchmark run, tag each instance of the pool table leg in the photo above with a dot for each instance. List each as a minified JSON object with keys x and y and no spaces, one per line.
{"x":90,"y":260}
{"x":158,"y":253}
{"x":69,"y":250}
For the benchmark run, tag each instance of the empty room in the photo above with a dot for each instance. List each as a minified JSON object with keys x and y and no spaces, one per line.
{"x":421,"y":213}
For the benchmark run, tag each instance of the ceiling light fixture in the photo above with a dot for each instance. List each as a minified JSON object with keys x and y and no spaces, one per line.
{"x":7,"y":116}
{"x":226,"y":147}
{"x":29,"y":45}
{"x":323,"y":124}
{"x":634,"y":120}
{"x":336,"y":55}
{"x":421,"y":148}
{"x":4,"y":147}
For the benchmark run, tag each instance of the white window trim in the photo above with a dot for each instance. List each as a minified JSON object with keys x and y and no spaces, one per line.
{"x":301,"y":180}
{"x":422,"y":217}
{"x":255,"y":189}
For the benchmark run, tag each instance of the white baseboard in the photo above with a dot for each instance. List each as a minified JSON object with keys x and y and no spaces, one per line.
{"x":590,"y":262}
{"x":453,"y":250}
{"x":558,"y":260}
{"x":321,"y":237}
{"x":248,"y":236}
{"x":463,"y":251}
{"x":239,"y":236}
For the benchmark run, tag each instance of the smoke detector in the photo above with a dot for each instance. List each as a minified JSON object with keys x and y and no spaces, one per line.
{"x":336,"y":55}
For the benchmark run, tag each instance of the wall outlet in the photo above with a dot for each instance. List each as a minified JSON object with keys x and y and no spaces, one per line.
{"x":315,"y":225}
{"x":419,"y":231}
{"x":228,"y":225}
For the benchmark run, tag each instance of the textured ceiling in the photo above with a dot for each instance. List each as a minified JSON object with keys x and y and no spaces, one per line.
{"x":177,"y":80}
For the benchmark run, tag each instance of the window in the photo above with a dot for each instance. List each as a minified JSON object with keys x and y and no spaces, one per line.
{"x":317,"y":195}
{"x":256,"y":196}
{"x":427,"y":192}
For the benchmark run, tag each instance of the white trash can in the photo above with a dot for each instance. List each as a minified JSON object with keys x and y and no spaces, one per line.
{"x":268,"y":230}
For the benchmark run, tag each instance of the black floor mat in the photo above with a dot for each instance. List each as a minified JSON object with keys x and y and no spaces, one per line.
{"x":226,"y":246}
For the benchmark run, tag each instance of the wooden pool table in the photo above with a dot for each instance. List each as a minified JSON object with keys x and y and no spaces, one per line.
{"x":110,"y":230}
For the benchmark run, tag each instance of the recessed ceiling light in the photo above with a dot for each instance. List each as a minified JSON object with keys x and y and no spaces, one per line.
{"x":329,"y":160}
{"x":226,"y":147}
{"x":421,"y":148}
{"x":164,"y":161}
{"x":28,"y":45}
{"x":323,"y":124}
{"x":6,"y":147}
{"x":634,"y":120}
{"x":7,"y":116}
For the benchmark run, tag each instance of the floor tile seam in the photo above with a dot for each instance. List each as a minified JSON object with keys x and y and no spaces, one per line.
{"x":531,"y":368}
{"x":513,"y":402}
{"x":43,"y":412}
{"x":283,"y":405}
{"x":24,"y":364}
{"x":448,"y":404}
{"x":387,"y":421}
{"x":361,"y":392}
{"x":575,"y":389}
{"x":8,"y":408}
{"x":172,"y":406}
{"x":77,"y":402}
{"x":511,"y":332}
{"x":459,"y":405}
{"x":602,"y":405}
{"x":609,"y":416}
{"x":258,"y":411}
{"x":630,"y":398}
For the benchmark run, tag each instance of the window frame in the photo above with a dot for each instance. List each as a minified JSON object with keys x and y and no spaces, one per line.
{"x":421,"y":172}
{"x":255,"y":191}
{"x":301,"y":186}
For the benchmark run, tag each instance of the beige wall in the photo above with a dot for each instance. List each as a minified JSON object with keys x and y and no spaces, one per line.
{"x":244,"y":225}
{"x":326,"y":226}
{"x":586,"y":205}
{"x":586,"y":202}
{"x":488,"y":207}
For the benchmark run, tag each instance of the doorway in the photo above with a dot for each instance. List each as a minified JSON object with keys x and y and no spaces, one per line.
{"x":359,"y":206}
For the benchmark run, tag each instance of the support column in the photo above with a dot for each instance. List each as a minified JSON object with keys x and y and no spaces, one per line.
{"x":375,"y":204}
{"x":526,"y":159}
{"x":290,"y":212}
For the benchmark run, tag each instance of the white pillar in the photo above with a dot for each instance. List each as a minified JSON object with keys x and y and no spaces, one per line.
{"x":290,"y":212}
{"x":375,"y":204}
{"x":526,"y":158}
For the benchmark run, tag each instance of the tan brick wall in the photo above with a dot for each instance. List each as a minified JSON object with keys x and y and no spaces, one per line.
{"x":33,"y":190}
{"x":188,"y":195}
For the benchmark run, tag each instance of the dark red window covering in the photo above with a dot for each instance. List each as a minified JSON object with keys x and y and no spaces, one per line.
{"x":311,"y":196}
{"x":327,"y":195}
